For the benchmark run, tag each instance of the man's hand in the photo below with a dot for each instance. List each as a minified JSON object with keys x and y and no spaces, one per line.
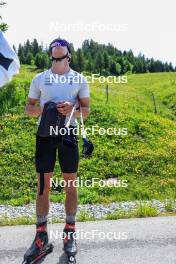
{"x":64,"y":107}
{"x":32,"y":109}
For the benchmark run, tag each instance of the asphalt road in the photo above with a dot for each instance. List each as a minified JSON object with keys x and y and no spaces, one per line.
{"x":131,"y":241}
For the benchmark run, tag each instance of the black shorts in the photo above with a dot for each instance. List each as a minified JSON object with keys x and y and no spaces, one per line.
{"x":45,"y":157}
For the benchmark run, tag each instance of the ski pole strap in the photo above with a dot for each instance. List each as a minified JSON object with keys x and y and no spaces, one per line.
{"x":70,"y":117}
{"x":82,"y":123}
{"x":42,"y":183}
{"x":81,"y":119}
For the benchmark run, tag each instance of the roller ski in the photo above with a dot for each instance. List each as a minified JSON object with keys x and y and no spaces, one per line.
{"x":70,"y":245}
{"x":39,"y":248}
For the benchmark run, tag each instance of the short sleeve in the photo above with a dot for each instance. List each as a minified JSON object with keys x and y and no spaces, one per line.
{"x":84,"y":89}
{"x":34,"y":91}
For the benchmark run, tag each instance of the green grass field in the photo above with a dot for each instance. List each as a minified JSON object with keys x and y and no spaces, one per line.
{"x":146,"y":157}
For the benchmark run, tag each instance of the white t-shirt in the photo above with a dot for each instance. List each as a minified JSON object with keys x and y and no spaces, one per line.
{"x":70,"y":86}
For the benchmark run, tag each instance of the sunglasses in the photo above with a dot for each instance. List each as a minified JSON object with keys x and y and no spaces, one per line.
{"x":61,"y":58}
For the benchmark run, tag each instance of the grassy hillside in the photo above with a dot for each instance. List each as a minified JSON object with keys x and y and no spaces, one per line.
{"x":146,"y":157}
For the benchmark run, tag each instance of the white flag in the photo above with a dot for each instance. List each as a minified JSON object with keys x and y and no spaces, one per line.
{"x":9,"y":62}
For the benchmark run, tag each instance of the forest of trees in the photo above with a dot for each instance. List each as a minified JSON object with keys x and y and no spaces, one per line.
{"x":94,"y":58}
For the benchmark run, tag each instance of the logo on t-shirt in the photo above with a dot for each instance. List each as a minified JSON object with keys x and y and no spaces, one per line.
{"x":47,"y":80}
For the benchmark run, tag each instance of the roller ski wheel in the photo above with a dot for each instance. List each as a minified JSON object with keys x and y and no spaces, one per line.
{"x":71,"y":259}
{"x":40,"y":247}
{"x":70,"y":245}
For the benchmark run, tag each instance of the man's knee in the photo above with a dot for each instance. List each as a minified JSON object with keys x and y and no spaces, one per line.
{"x":69,"y":182}
{"x":69,"y":176}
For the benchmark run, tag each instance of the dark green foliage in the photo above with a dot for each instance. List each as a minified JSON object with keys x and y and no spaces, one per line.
{"x":29,"y":58}
{"x":94,"y":58}
{"x":80,"y":64}
{"x":42,"y":60}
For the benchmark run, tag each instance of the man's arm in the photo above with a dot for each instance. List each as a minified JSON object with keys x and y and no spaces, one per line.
{"x":32,"y":109}
{"x":84,"y":103}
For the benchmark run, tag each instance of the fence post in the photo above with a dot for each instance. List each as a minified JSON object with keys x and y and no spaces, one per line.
{"x":154,"y":103}
{"x":107,"y":93}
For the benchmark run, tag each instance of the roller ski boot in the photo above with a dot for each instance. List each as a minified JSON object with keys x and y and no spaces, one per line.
{"x":39,"y":248}
{"x":70,"y":245}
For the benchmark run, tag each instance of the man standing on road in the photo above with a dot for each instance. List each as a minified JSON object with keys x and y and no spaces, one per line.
{"x":44,"y":89}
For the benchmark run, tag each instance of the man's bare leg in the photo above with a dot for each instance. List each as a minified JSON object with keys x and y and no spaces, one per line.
{"x":70,"y":246}
{"x":42,"y":201}
{"x":40,"y":246}
{"x":71,"y":200}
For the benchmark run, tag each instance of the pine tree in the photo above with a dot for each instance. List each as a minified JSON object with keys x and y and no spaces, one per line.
{"x":118,"y":69}
{"x":113,"y":69}
{"x":171,"y":68}
{"x":29,"y":58}
{"x":106,"y":60}
{"x":38,"y":60}
{"x":21,"y":54}
{"x":73,"y":63}
{"x":45,"y":61}
{"x":99,"y":62}
{"x":27,"y":47}
{"x":80,"y":60}
{"x":35,"y":47}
